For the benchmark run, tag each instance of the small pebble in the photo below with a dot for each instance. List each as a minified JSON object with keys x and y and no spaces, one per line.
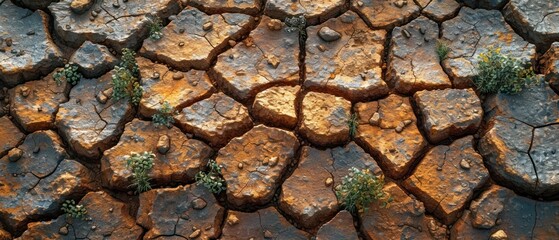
{"x":181,"y":44}
{"x":232,"y":43}
{"x":30,"y":33}
{"x":25,"y":91}
{"x":15,"y":154}
{"x":240,"y":166}
{"x":232,"y":219}
{"x":163,"y":144}
{"x":116,"y":5}
{"x":207,"y":26}
{"x":178,"y":76}
{"x":155,"y":75}
{"x":195,"y":234}
{"x":63,"y":231}
{"x":329,"y":181}
{"x":199,"y":203}
{"x":465,"y":164}
{"x":36,"y":149}
{"x":268,"y":234}
{"x":406,"y":33}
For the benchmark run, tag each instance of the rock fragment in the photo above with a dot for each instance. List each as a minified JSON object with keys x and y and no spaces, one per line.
{"x":93,"y":60}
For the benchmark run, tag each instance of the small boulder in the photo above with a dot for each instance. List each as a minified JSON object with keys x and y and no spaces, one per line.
{"x":81,"y":6}
{"x":329,"y":35}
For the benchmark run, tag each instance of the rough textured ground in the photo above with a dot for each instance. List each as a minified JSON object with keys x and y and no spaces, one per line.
{"x":285,"y":112}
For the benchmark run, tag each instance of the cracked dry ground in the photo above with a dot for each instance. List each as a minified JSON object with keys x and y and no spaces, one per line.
{"x":272,"y":108}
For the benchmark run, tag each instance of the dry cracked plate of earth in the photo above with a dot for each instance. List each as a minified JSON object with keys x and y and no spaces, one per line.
{"x":284,"y":111}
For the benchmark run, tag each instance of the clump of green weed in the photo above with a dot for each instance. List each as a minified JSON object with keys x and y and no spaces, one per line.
{"x":126,"y":78}
{"x":212,"y":179}
{"x":498,"y":73}
{"x":72,"y":210}
{"x":164,"y":115}
{"x":442,"y":50}
{"x":69,"y":74}
{"x":155,"y":26}
{"x":140,"y":164}
{"x":360,"y":188}
{"x":352,"y":122}
{"x":297,"y":24}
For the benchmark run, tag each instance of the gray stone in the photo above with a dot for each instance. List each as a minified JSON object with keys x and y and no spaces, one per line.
{"x":93,"y":60}
{"x":441,"y":10}
{"x":329,"y":35}
{"x":474,"y":32}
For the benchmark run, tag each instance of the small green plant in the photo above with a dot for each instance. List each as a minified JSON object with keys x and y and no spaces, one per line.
{"x":212,"y":179}
{"x":359,"y":188}
{"x":164,"y":116}
{"x":442,"y":50}
{"x":500,"y":73}
{"x":140,"y":164}
{"x":297,"y":24}
{"x":155,"y":26}
{"x":125,"y":79}
{"x":72,"y":210}
{"x":352,"y":123}
{"x":69,"y":74}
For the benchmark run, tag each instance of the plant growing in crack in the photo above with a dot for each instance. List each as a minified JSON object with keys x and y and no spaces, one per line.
{"x":500,"y":73}
{"x":72,"y":210}
{"x":125,"y":78}
{"x":352,"y":122}
{"x":164,"y":115}
{"x":155,"y":26}
{"x":140,"y":164}
{"x":297,"y":24}
{"x":442,"y":50}
{"x":359,"y":189}
{"x":212,"y":179}
{"x":69,"y":74}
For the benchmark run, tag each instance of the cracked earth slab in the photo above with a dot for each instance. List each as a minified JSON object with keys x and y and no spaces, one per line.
{"x":39,"y":181}
{"x":179,"y":89}
{"x":251,"y":7}
{"x":253,"y":165}
{"x":309,"y":206}
{"x":388,"y":130}
{"x":325,"y":119}
{"x":184,"y":157}
{"x":265,"y":223}
{"x":122,"y":27}
{"x":413,"y":63}
{"x":34,"y":104}
{"x":188,"y":42}
{"x":216,"y":119}
{"x":499,"y":208}
{"x":180,"y":212}
{"x":536,"y":21}
{"x":93,"y":60}
{"x":349,"y":66}
{"x":275,"y":106}
{"x":403,"y":218}
{"x":89,"y":126}
{"x":386,"y":14}
{"x":520,"y":145}
{"x":340,"y":227}
{"x":268,"y":57}
{"x":442,"y":195}
{"x":9,"y":129}
{"x":550,"y":66}
{"x":32,"y":52}
{"x":441,"y":10}
{"x":474,"y":32}
{"x":314,"y":11}
{"x":108,"y":218}
{"x":448,"y":113}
